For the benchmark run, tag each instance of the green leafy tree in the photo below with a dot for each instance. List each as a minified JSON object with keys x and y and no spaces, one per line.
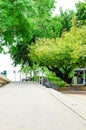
{"x":81,"y":11}
{"x":48,"y":27}
{"x":16,"y":26}
{"x":14,"y":21}
{"x":66,"y":19}
{"x":63,"y":54}
{"x":21,"y":22}
{"x":80,"y":16}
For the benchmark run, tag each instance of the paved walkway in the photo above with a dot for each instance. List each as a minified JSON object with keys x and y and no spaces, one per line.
{"x":78,"y":96}
{"x":29,"y":106}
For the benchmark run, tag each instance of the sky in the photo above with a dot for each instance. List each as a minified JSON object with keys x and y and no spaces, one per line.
{"x":6,"y":64}
{"x":65,"y":4}
{"x":5,"y":60}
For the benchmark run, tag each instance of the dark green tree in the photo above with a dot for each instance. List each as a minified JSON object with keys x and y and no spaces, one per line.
{"x":66,"y":19}
{"x":20,"y":24}
{"x":81,"y":11}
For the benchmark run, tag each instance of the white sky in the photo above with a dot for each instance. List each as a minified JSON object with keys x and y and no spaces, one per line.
{"x":65,"y":4}
{"x":6,"y":64}
{"x":5,"y":60}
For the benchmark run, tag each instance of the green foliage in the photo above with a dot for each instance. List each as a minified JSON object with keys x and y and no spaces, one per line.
{"x":20,"y":24}
{"x":66,"y":19}
{"x":63,"y":54}
{"x":54,"y":79}
{"x":81,"y":11}
{"x":18,"y":53}
{"x":48,"y":28}
{"x":14,"y":22}
{"x":19,"y":18}
{"x":1,"y":49}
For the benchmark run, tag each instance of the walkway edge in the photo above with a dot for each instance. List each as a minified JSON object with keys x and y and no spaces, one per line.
{"x":79,"y":109}
{"x":70,"y":103}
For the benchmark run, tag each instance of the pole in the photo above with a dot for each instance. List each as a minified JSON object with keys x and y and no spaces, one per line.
{"x":26,"y":68}
{"x":20,"y":74}
{"x":14,"y":75}
{"x":84,"y":77}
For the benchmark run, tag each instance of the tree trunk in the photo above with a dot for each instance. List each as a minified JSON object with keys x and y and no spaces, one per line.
{"x":59,"y":74}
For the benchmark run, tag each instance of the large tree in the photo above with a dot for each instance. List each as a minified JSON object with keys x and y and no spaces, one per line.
{"x":63,"y":54}
{"x":20,"y":22}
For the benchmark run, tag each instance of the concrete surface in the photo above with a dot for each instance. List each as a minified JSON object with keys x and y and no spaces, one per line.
{"x":30,"y":106}
{"x":78,"y":96}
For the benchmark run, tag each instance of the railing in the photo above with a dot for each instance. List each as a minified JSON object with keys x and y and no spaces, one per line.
{"x":4,"y":80}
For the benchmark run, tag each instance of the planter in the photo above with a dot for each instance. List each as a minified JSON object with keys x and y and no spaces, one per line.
{"x":80,"y":87}
{"x":63,"y":88}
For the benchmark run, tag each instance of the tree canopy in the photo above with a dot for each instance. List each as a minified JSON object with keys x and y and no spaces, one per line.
{"x":19,"y":19}
{"x":63,"y":54}
{"x":32,"y":34}
{"x":20,"y":22}
{"x":81,"y":11}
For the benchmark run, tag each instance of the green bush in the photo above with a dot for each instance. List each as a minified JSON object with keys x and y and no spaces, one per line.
{"x":56,"y":80}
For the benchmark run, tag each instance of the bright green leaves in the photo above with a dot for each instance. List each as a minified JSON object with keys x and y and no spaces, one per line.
{"x":24,"y":21}
{"x":14,"y":20}
{"x":64,"y":54}
{"x":45,"y":7}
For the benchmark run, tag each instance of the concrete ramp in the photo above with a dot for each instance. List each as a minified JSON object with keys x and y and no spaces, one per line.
{"x":30,"y":106}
